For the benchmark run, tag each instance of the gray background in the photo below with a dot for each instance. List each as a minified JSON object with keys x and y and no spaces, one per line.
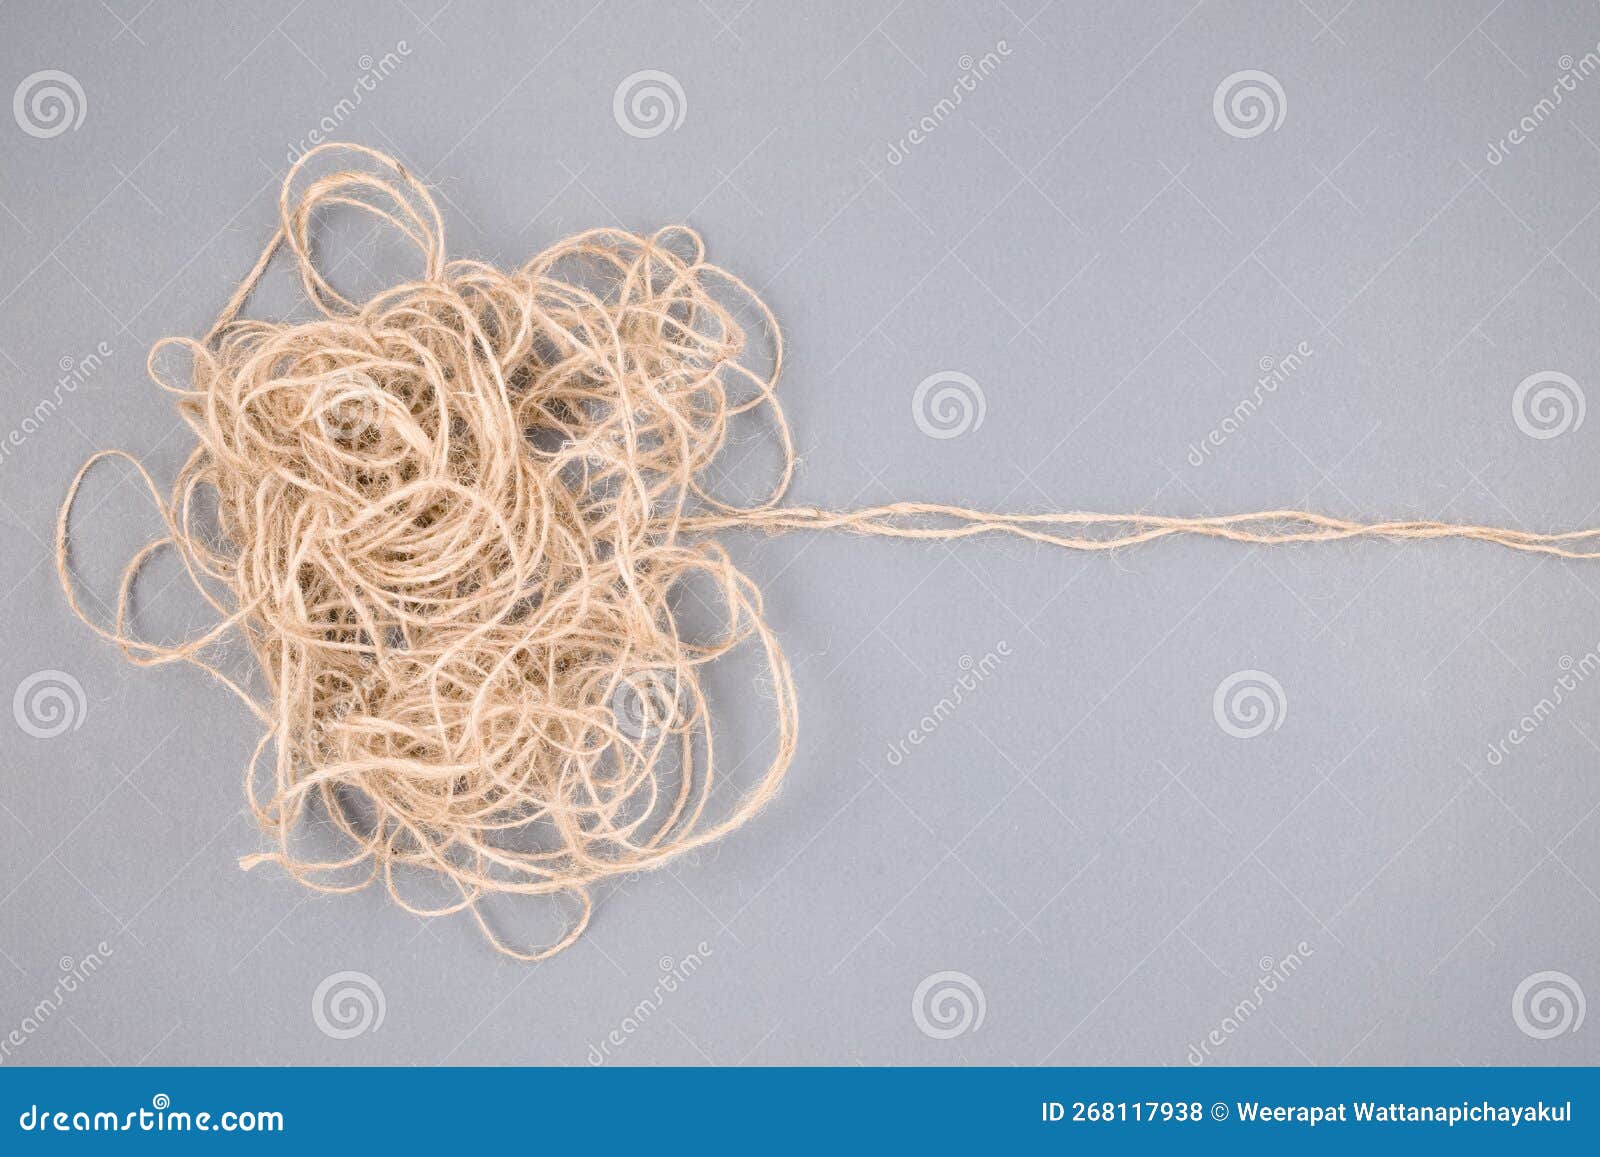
{"x":1080,"y":237}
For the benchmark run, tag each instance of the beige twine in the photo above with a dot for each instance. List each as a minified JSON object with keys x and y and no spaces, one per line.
{"x":450,"y":525}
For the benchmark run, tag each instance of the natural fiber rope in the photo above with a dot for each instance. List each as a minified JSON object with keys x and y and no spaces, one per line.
{"x":931,"y":520}
{"x":450,"y":525}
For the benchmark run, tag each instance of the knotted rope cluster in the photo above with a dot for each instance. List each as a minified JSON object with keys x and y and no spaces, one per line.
{"x":453,"y":523}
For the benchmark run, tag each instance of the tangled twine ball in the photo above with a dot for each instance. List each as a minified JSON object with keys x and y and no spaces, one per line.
{"x":449,"y":524}
{"x":454,"y":522}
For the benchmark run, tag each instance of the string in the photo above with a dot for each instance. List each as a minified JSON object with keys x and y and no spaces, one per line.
{"x":455,"y":524}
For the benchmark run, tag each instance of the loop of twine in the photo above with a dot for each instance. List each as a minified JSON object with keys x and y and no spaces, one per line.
{"x":451,"y":524}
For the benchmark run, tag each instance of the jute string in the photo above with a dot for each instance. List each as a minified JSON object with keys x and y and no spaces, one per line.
{"x":453,"y":522}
